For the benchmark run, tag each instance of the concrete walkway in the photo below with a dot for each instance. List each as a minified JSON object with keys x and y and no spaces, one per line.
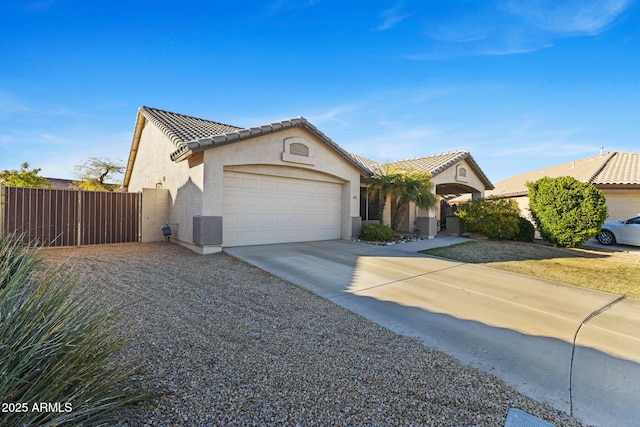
{"x":575,"y":348}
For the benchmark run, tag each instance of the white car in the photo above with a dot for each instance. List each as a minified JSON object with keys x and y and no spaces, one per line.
{"x":625,"y":232}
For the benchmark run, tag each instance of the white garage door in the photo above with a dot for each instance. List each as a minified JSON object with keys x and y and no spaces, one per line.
{"x":261,"y":209}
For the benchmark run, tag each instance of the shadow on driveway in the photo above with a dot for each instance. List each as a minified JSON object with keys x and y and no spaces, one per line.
{"x":520,"y":328}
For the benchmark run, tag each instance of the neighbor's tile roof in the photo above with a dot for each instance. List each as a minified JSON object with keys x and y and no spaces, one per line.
{"x":622,"y":168}
{"x":61,"y":184}
{"x":180,"y":128}
{"x":610,"y":168}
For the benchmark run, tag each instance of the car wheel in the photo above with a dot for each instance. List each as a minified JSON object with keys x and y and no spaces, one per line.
{"x":606,"y":237}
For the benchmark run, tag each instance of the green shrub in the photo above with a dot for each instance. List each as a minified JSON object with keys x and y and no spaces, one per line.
{"x":567,"y":212}
{"x":58,"y":346}
{"x":495,"y":218}
{"x":526,"y":230}
{"x":376,"y":233}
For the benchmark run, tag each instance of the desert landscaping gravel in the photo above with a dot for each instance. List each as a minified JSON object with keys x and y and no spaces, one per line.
{"x":223,"y":343}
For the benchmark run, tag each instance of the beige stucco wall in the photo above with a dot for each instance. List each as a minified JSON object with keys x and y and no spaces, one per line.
{"x":622,"y":204}
{"x":154,"y":168}
{"x":264,"y":154}
{"x":452,"y":175}
{"x":155,"y":208}
{"x":195,"y":185}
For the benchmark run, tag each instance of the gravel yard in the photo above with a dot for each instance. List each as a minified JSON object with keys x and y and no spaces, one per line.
{"x":227,"y":344}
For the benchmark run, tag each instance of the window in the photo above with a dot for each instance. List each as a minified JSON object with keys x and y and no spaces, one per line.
{"x":369,"y":205}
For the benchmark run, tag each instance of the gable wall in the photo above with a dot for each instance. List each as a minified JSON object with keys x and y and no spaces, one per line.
{"x":154,"y":166}
{"x":264,"y":154}
{"x":450,"y":175}
{"x":266,"y":151}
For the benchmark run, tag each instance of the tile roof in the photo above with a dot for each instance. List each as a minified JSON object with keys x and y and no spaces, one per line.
{"x":238,"y":134}
{"x":433,"y":164}
{"x":622,"y":168}
{"x":191,"y":135}
{"x":610,"y":168}
{"x":180,"y":128}
{"x":367,"y":163}
{"x":62,"y":184}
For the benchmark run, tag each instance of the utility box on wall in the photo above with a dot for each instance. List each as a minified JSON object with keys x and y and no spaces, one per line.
{"x":207,"y":230}
{"x":454,"y":227}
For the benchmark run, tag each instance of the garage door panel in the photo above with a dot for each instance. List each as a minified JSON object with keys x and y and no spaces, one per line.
{"x":261,"y":209}
{"x":267,"y":184}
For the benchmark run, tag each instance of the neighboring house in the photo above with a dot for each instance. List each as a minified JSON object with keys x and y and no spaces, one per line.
{"x":221,"y":185}
{"x":616,"y":174}
{"x":71,"y":184}
{"x":61,"y":184}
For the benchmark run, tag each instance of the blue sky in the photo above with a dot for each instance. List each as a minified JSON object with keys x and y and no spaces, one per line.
{"x":520,"y":84}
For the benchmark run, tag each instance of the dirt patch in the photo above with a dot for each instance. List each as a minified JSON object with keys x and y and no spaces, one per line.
{"x":604,"y":270}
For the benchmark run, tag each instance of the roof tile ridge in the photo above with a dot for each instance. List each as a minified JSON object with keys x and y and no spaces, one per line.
{"x":151,"y":109}
{"x":148,"y":113}
{"x":459,"y":152}
{"x":255,"y":130}
{"x":604,"y":165}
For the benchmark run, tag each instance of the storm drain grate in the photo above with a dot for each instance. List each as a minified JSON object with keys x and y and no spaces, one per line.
{"x":519,"y":418}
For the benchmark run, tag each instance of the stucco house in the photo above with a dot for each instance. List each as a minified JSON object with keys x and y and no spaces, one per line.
{"x":616,"y":174}
{"x":221,"y":185}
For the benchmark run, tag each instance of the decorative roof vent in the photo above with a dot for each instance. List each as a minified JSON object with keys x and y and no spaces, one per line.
{"x":461,"y":174}
{"x":298,"y":150}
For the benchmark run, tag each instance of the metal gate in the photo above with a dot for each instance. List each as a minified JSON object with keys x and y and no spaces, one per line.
{"x":48,"y":217}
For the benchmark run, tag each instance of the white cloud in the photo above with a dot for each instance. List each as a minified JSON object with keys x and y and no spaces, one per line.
{"x":574,"y":16}
{"x":392,"y":17}
{"x":337,"y":113}
{"x":286,"y":5}
{"x":10,"y":106}
{"x":516,"y":27}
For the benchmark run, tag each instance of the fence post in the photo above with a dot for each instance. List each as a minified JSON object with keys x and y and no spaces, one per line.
{"x":79,"y":219}
{"x":2,"y":208}
{"x":139,"y":216}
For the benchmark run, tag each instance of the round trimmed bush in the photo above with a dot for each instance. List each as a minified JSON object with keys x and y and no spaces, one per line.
{"x":494,"y":217}
{"x":376,"y":233}
{"x":526,"y":230}
{"x":567,"y":212}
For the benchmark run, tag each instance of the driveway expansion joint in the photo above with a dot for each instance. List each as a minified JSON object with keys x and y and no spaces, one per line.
{"x":591,"y":316}
{"x":402,"y":280}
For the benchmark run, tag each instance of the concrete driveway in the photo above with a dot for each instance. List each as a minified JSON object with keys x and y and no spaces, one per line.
{"x":575,"y":348}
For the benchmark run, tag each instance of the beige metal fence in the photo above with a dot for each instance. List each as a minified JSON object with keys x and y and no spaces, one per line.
{"x":49,"y":217}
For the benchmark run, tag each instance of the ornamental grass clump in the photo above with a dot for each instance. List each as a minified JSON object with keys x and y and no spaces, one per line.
{"x":59,"y":361}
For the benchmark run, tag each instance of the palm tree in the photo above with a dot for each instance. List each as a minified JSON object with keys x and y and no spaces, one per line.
{"x":403,"y":186}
